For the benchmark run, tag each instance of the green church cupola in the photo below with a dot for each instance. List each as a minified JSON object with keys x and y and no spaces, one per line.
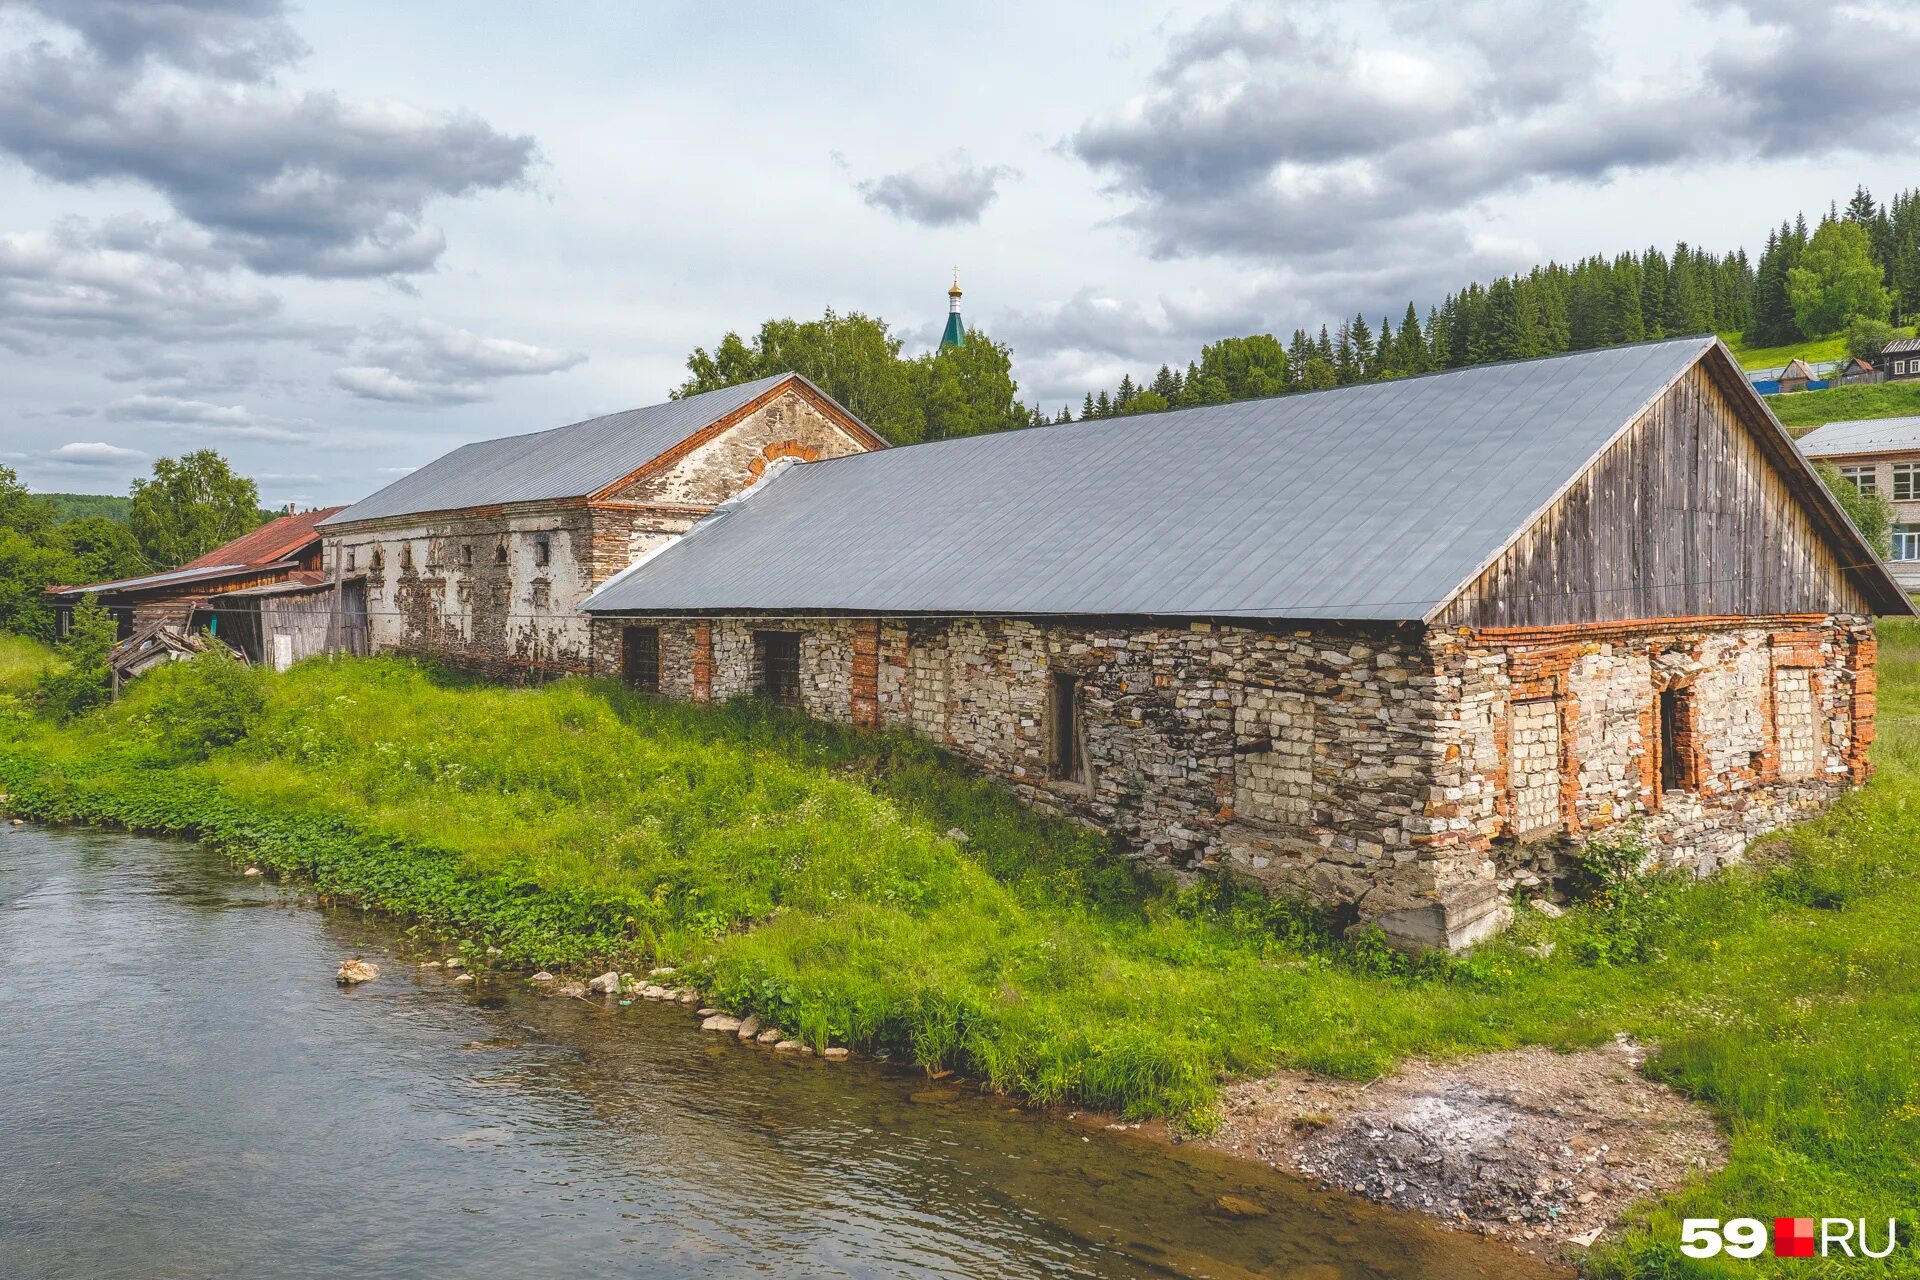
{"x":956,"y":334}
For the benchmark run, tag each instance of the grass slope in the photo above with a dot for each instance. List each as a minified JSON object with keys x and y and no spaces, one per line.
{"x":1810,"y":350}
{"x":802,"y":874}
{"x":1802,"y":411}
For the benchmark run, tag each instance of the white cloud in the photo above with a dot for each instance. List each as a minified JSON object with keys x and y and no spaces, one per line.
{"x":430,"y":363}
{"x":207,"y":418}
{"x":93,"y":454}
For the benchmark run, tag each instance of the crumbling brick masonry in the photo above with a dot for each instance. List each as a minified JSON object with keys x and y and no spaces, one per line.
{"x":1415,"y":778}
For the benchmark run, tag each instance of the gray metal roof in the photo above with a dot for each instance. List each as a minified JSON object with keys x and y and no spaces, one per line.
{"x":1872,"y":435}
{"x":564,"y":462}
{"x":1368,"y":502}
{"x":170,"y":578}
{"x":1900,"y":346}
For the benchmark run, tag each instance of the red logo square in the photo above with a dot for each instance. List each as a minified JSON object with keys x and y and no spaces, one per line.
{"x":1793,"y":1237}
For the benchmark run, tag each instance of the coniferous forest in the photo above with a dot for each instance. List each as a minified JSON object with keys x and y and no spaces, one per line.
{"x":1862,"y":262}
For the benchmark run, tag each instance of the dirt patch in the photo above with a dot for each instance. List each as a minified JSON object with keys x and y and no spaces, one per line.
{"x":1529,"y":1145}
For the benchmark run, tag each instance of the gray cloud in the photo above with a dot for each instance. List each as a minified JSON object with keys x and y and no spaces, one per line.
{"x":240,"y":39}
{"x":438,"y":364}
{"x":941,"y":193}
{"x":206,"y":418}
{"x":180,"y":98}
{"x":1267,"y":137}
{"x":121,"y":278}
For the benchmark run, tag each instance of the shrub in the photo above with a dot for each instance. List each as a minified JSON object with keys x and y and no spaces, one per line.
{"x":67,"y":691}
{"x":191,"y":709}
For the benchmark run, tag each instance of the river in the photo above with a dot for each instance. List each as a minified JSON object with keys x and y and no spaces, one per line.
{"x":184,"y":1092}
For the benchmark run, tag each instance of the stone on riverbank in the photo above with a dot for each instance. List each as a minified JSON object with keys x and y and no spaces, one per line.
{"x":836,"y":1053}
{"x":772,"y":1035}
{"x":687,"y":995}
{"x":720,"y":1022}
{"x":542,"y":976}
{"x":356,"y":971}
{"x":749,"y":1028}
{"x":253,"y":871}
{"x":793,"y":1046}
{"x":607,"y":984}
{"x":578,"y":990}
{"x":454,"y":962}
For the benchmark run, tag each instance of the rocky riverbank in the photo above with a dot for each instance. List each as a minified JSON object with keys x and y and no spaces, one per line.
{"x":1544,"y":1149}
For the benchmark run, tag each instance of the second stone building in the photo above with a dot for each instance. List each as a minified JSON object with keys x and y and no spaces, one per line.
{"x":1392,"y":645}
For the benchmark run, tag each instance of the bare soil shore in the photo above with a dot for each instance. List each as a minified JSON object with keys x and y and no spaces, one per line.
{"x":1543,"y":1149}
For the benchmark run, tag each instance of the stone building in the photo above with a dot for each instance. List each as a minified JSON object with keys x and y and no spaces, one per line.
{"x":1393,"y":644}
{"x":483,"y":557}
{"x":1880,"y":455}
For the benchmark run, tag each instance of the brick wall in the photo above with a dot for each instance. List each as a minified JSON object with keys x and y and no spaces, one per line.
{"x":1417,"y":778}
{"x":439,"y":589}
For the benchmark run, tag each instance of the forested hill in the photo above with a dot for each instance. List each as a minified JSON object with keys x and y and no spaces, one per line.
{"x":1860,"y":266}
{"x":1835,"y":288}
{"x":77,"y":506}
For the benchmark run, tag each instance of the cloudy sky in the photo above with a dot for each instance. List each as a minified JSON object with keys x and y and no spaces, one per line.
{"x":335,"y":239}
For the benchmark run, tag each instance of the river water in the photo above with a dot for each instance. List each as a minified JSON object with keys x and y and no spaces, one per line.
{"x":184,"y":1092}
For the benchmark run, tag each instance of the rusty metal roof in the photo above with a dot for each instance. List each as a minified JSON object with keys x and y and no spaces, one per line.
{"x":1370,"y":502}
{"x":563,"y":462}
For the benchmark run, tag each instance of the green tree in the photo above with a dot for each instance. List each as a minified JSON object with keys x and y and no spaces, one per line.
{"x":20,"y":510}
{"x":968,"y":390}
{"x":1318,"y":374}
{"x":100,"y":549}
{"x":1836,"y":280}
{"x":853,"y":358}
{"x":1867,"y":337}
{"x":1871,"y":513}
{"x":81,"y":682}
{"x":1243,"y":368}
{"x":191,"y":505}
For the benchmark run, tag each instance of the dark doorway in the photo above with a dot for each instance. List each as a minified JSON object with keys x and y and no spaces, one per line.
{"x":640,"y":658}
{"x":1675,"y":740}
{"x":780,"y":666}
{"x":1063,"y":734}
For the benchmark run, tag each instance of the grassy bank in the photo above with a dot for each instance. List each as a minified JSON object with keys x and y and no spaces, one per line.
{"x":804,"y":874}
{"x":1804,"y":410}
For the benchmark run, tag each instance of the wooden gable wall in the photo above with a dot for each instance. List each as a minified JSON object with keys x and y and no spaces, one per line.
{"x":1685,"y":515}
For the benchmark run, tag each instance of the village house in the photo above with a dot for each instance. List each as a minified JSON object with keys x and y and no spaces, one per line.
{"x":483,"y":557}
{"x":1394,"y":644}
{"x":1880,"y":455}
{"x":1899,"y":359}
{"x":283,"y":550}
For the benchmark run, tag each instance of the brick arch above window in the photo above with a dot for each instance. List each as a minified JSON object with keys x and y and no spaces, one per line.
{"x":777,"y":450}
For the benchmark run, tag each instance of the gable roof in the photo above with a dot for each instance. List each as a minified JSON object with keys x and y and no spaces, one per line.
{"x":1873,"y":435}
{"x":1372,"y":502}
{"x":1900,"y":346}
{"x":279,"y":539}
{"x":273,"y":545}
{"x":574,"y":461}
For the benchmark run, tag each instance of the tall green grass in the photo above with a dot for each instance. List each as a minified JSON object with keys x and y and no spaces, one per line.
{"x":21,"y":662}
{"x":802,"y":873}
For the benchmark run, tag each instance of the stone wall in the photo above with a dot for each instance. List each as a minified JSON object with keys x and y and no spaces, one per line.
{"x":1710,"y":732}
{"x":467,"y":586}
{"x":1416,"y":779}
{"x":472,"y":588}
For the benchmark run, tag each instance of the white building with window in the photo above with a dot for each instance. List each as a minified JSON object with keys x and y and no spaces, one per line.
{"x":1880,"y":455}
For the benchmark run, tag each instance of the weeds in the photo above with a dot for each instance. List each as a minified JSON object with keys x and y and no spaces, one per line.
{"x":803,"y":873}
